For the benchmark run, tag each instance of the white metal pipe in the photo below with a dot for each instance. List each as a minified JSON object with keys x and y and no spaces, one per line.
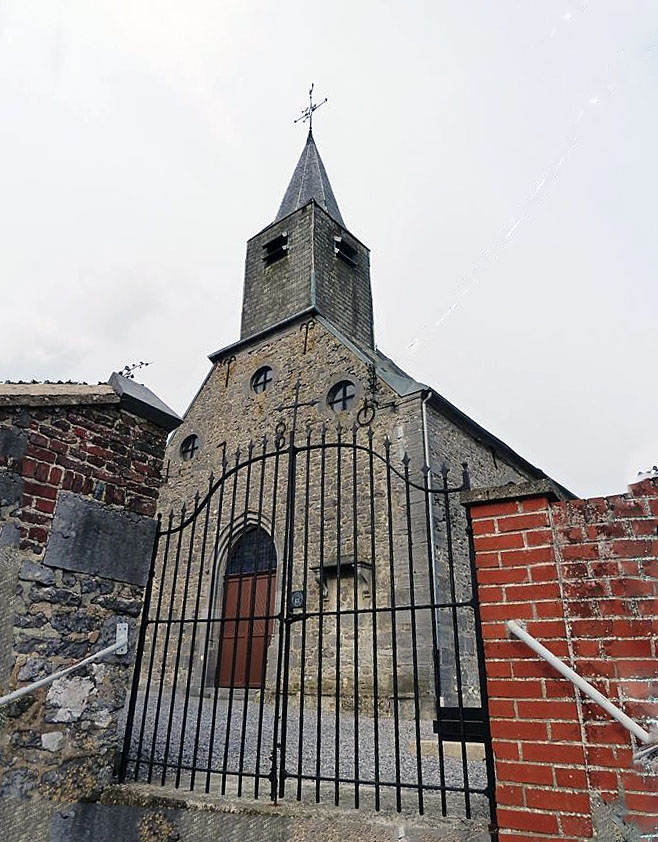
{"x":120,"y":643}
{"x":519,"y":631}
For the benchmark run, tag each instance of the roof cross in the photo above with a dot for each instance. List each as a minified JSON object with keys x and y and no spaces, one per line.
{"x":307,"y":113}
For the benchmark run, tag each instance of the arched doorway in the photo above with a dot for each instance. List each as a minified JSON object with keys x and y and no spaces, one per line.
{"x":248,"y":606}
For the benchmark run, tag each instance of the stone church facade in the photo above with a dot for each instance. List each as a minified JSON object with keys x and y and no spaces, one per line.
{"x":306,"y":365}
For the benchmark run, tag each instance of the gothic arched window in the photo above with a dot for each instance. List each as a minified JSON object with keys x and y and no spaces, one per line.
{"x":253,"y":552}
{"x":341,"y":396}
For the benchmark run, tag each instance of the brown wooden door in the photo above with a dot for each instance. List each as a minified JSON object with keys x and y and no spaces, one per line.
{"x":246,"y":630}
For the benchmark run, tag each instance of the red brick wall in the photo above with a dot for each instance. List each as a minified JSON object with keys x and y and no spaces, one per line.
{"x":105,"y":452}
{"x":583,"y":576}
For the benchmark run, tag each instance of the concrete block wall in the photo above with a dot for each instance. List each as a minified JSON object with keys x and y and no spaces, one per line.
{"x":582,"y":575}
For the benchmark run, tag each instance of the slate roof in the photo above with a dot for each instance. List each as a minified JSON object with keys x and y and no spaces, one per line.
{"x":309,"y":181}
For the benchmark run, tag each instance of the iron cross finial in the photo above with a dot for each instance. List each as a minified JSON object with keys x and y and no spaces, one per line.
{"x":307,"y":113}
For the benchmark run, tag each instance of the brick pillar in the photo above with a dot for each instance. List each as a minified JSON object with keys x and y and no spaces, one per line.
{"x":581,"y":575}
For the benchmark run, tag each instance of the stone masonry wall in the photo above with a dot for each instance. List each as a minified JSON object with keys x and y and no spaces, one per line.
{"x":283,"y":289}
{"x":583,"y":577}
{"x":227,"y":414}
{"x":310,"y":274}
{"x":343,"y":292}
{"x":451,"y":446}
{"x":78,"y":491}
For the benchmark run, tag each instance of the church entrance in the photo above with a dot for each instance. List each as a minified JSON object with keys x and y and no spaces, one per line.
{"x":248,"y":605}
{"x":311,"y":631}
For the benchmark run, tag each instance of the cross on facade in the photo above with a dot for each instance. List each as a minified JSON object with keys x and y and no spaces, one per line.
{"x":307,"y":113}
{"x":295,"y":406}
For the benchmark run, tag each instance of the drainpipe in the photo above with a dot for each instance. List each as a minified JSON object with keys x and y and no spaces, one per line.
{"x":428,"y":462}
{"x":428,"y":503}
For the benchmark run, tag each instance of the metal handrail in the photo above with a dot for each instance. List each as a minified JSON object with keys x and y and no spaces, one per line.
{"x":120,"y":646}
{"x":518,"y":629}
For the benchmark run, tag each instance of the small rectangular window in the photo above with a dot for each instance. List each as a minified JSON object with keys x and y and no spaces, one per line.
{"x":275,"y":249}
{"x":344,"y":251}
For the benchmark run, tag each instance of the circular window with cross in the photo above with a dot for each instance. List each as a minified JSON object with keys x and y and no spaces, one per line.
{"x":262,"y":379}
{"x":189,"y":448}
{"x":341,"y":396}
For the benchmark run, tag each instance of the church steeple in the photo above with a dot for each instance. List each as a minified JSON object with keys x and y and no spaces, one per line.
{"x":309,"y":181}
{"x":306,"y":261}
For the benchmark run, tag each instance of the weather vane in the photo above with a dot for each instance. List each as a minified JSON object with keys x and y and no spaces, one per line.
{"x":307,"y":113}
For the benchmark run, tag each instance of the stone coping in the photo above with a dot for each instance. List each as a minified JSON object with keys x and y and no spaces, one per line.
{"x":516,"y":491}
{"x":132,"y":396}
{"x":56,"y":394}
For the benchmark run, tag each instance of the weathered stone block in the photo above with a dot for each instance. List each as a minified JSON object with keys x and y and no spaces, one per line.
{"x":32,"y":572}
{"x":10,"y":535}
{"x":11,"y":489}
{"x":67,"y":699}
{"x":13,"y":443}
{"x":89,"y":537}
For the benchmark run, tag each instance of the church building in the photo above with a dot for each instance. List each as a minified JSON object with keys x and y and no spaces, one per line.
{"x":312,"y":620}
{"x":360,"y":522}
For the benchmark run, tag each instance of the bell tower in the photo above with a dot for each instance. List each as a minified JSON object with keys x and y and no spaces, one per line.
{"x":307,"y":260}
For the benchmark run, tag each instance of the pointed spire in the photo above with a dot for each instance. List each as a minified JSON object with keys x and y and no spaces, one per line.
{"x":309,"y":181}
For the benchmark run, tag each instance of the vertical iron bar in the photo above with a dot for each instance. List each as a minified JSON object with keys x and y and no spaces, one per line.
{"x":270,"y":623}
{"x":222,"y":627}
{"x":288,"y":565}
{"x":394,"y":645}
{"x":259,"y":519}
{"x":429,"y":528}
{"x":179,"y":644}
{"x":414,"y":633}
{"x":164,"y":670}
{"x":375,"y":671}
{"x":455,"y":633}
{"x":236,"y":627}
{"x":250,"y":637}
{"x":355,"y":606}
{"x":302,"y":668}
{"x":210,"y":625}
{"x":339,"y":514}
{"x":141,"y":639}
{"x":484,"y":696}
{"x":283,"y":607}
{"x":318,"y":723}
{"x":195,"y":623}
{"x":156,"y":628}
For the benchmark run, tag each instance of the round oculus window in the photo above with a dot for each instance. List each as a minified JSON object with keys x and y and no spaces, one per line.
{"x":262,"y":379}
{"x":190,"y":447}
{"x":341,"y":396}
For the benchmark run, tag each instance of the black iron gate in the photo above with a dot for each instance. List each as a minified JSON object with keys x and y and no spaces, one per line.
{"x":311,"y":629}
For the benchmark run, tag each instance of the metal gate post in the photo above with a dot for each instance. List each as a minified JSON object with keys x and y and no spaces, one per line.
{"x":130,"y":718}
{"x":277,"y":772}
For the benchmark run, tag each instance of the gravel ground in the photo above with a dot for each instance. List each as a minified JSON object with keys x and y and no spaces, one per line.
{"x":226,"y":762}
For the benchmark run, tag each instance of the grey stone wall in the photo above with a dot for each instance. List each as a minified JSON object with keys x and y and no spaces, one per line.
{"x":343,"y":292}
{"x":309,"y":275}
{"x":452,"y":446}
{"x":78,"y":484}
{"x":276,"y":292}
{"x":227,"y":414}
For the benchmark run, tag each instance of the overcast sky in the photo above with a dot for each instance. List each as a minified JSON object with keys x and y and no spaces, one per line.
{"x":499,"y":159}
